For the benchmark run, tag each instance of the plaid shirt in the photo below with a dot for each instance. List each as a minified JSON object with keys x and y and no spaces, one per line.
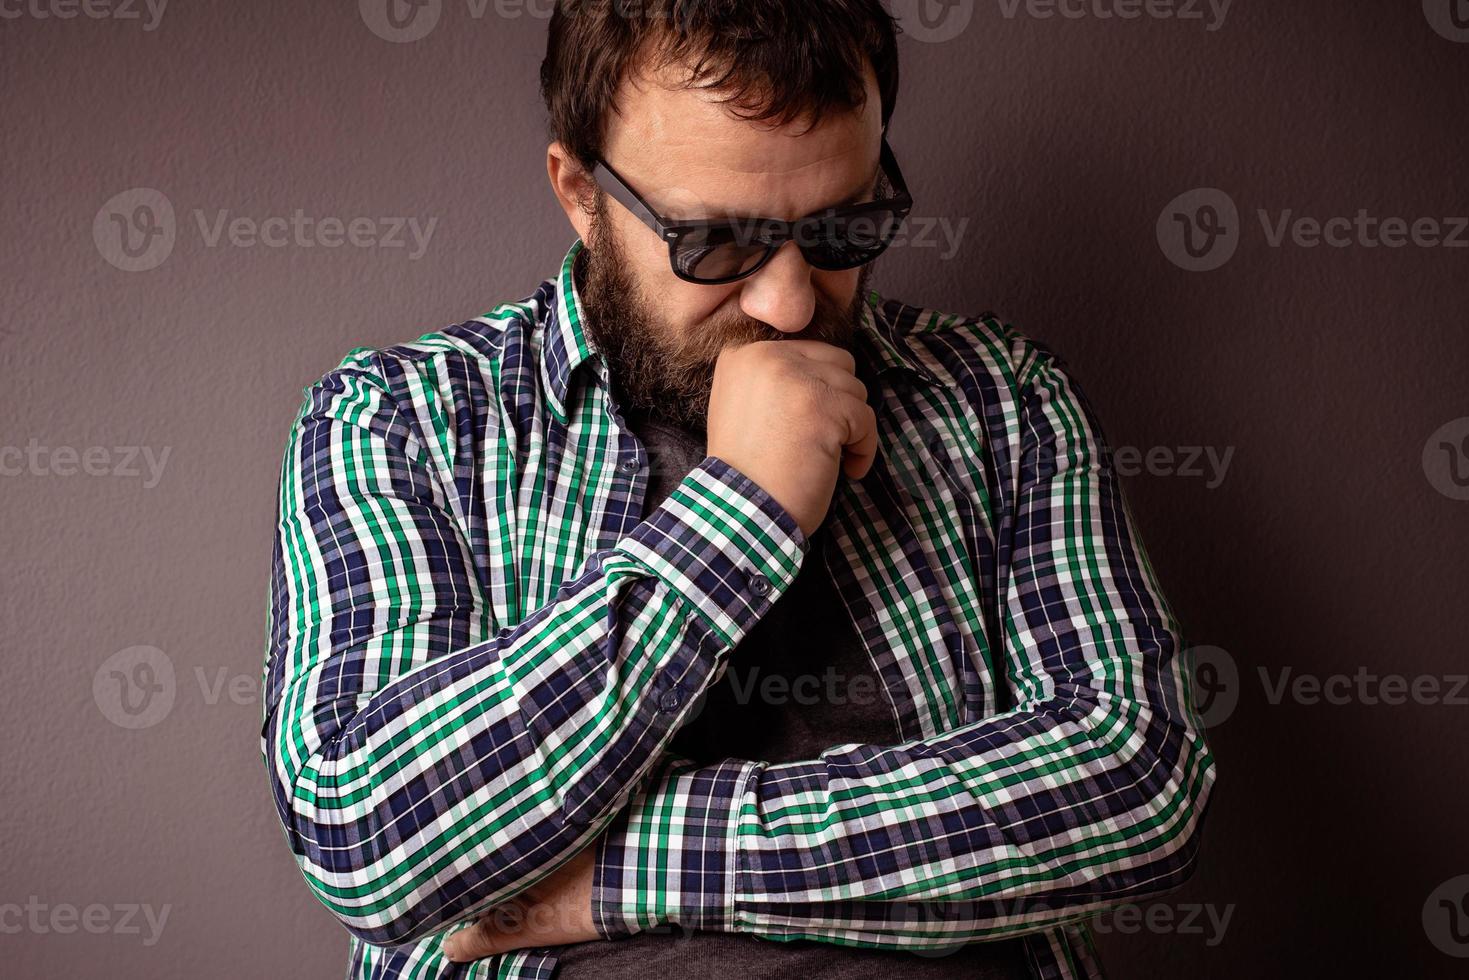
{"x":480,"y":648}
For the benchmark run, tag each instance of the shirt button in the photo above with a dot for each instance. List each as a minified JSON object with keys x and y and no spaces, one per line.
{"x":630,"y":465}
{"x":670,"y":699}
{"x":759,"y":584}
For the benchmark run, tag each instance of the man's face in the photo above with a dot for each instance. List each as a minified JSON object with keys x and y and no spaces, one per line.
{"x":691,"y":159}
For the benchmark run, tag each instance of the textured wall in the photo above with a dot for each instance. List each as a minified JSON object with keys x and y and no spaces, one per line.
{"x":143,"y":414}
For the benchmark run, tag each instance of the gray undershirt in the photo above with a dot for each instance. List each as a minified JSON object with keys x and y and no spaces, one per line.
{"x":800,"y":682}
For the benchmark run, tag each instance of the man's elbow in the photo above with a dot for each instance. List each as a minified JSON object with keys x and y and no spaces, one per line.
{"x":392,"y":927}
{"x":397,"y":906}
{"x":1183,"y":803}
{"x":388,"y":911}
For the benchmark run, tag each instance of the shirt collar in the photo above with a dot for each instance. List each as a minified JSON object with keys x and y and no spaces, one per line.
{"x":885,"y":348}
{"x":567,"y":344}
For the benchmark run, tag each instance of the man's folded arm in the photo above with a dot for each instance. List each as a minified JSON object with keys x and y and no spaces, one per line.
{"x":1091,"y":792}
{"x":428,"y":762}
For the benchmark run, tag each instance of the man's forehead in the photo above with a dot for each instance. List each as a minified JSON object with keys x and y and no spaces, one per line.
{"x":673,"y":137}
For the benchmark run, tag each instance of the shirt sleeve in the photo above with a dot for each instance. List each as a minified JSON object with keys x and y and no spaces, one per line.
{"x":1091,"y":792}
{"x":427,"y":762}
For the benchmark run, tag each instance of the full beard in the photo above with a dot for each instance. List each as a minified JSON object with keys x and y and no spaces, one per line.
{"x":655,"y":373}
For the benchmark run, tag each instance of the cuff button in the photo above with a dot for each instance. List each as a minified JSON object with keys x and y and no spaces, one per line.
{"x":759,"y":584}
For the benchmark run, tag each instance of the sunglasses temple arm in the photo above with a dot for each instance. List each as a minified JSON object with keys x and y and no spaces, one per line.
{"x":619,"y":191}
{"x":890,"y":165}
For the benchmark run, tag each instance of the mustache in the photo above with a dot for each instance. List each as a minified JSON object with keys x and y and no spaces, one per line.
{"x":828,"y":325}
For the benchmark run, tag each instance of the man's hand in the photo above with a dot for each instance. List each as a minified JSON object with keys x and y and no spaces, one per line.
{"x":789,"y":414}
{"x":553,"y":912}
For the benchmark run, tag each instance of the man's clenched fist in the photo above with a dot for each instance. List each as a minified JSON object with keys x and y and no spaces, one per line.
{"x":788,"y":414}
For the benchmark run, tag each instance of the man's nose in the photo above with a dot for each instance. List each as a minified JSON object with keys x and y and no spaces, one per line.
{"x":781,"y":293}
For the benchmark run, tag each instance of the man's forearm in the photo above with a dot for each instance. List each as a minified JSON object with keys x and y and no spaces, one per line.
{"x":1090,"y":792}
{"x":904,"y":849}
{"x":424,"y":770}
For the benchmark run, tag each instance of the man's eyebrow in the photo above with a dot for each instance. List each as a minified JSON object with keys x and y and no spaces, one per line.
{"x":856,"y":197}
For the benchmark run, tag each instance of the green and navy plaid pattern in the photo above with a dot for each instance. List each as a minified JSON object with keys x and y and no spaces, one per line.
{"x":480,"y":648}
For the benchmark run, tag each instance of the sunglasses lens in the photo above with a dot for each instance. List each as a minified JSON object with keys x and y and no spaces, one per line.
{"x":845,"y":242}
{"x":715,"y":254}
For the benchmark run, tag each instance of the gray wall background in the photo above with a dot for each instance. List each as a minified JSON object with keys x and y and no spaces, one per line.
{"x":1333,"y":544}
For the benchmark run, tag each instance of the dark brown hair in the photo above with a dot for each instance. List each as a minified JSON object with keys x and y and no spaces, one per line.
{"x":774,"y":61}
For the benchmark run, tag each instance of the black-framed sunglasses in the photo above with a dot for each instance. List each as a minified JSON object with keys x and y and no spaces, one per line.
{"x":715,"y":252}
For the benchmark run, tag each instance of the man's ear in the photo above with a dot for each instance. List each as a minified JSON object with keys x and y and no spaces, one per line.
{"x":573,"y":187}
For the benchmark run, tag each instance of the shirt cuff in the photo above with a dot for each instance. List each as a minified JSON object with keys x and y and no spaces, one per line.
{"x":723,"y":544}
{"x":671,"y":856}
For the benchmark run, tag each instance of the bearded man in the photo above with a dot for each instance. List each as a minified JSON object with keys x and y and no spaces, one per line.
{"x":705,"y":612}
